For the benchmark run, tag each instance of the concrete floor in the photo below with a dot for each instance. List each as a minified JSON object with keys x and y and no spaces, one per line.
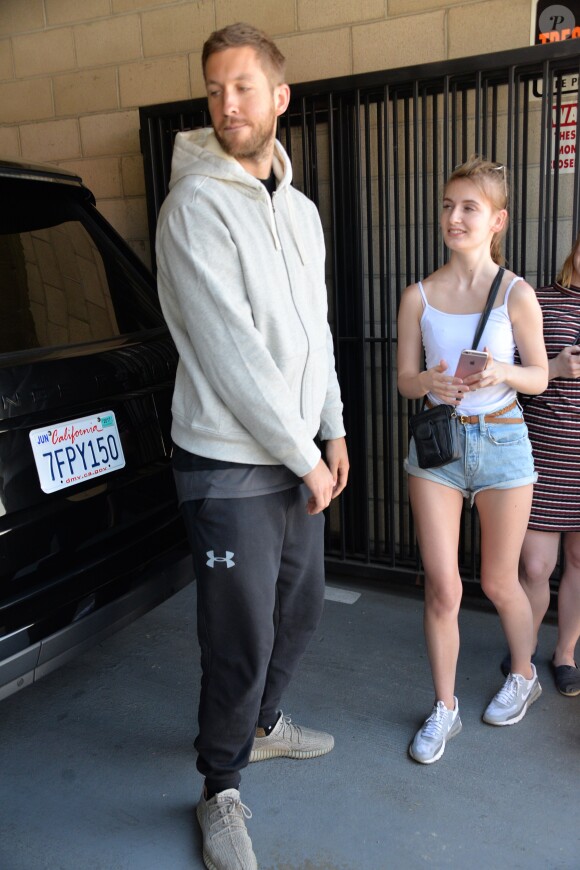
{"x":98,"y":767}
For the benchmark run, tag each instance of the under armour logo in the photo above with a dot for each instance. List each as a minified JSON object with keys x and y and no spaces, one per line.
{"x":212,"y":559}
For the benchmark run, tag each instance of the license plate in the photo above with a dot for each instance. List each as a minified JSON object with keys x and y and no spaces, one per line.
{"x":76,"y":451}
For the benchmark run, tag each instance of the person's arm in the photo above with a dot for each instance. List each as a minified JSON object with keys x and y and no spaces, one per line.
{"x":337,"y":460}
{"x":332,"y":433}
{"x":206,"y":297}
{"x":531,"y":377}
{"x":413,"y":380}
{"x":331,"y":422}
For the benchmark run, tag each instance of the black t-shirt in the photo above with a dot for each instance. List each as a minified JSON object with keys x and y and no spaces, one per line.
{"x":201,"y":477}
{"x":269,"y":183}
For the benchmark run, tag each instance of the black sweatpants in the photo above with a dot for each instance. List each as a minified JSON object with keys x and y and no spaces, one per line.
{"x":259,"y":566}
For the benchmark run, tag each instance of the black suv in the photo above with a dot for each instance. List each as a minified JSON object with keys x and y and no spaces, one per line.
{"x":90,"y":535}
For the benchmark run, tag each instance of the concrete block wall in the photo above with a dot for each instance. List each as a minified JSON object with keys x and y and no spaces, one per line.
{"x":73,"y":73}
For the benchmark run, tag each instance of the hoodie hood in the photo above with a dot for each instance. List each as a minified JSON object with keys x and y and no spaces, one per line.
{"x":198,"y":152}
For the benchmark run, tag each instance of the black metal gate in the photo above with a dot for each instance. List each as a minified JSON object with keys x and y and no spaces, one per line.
{"x":372,"y":151}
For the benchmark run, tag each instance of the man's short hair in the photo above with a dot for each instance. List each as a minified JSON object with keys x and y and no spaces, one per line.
{"x":241,"y":34}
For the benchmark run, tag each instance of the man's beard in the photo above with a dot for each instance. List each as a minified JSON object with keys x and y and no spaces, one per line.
{"x":253,"y":147}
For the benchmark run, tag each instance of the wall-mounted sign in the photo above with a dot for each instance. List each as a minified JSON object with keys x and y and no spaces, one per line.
{"x":555,"y":22}
{"x":564,"y":131}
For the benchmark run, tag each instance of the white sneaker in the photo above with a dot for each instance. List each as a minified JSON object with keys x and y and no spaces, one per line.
{"x":513,"y":699}
{"x":226,"y":843}
{"x":429,"y":741}
{"x":290,"y":741}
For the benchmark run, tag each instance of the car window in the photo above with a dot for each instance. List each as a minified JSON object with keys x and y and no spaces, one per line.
{"x":63,"y":279}
{"x":53,"y":289}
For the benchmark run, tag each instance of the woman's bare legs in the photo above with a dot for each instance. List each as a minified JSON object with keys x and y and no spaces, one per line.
{"x":437,"y":513}
{"x":569,"y":602}
{"x":503,"y":515}
{"x":537,"y":562}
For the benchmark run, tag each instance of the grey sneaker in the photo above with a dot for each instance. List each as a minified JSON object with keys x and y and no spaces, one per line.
{"x":513,"y":699}
{"x":226,"y":843}
{"x":429,"y":742}
{"x":290,"y":741}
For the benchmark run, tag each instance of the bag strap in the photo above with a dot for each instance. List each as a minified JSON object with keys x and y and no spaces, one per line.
{"x":488,"y":306}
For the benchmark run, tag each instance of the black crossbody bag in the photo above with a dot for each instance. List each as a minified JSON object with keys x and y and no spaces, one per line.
{"x":435,"y":430}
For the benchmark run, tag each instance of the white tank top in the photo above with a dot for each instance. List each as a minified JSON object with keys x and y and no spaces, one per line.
{"x":446,"y":335}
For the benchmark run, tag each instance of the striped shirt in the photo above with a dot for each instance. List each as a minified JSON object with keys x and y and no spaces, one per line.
{"x":553,"y":420}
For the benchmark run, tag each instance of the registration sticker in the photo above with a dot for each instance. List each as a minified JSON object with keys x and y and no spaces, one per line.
{"x":75,"y":451}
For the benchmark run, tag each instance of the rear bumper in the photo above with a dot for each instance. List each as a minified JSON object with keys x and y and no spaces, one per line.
{"x":157,"y":582}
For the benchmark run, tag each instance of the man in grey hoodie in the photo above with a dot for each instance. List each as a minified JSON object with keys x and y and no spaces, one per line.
{"x":240,"y":256}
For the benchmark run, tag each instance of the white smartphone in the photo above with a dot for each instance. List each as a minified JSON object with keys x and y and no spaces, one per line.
{"x":471,"y":362}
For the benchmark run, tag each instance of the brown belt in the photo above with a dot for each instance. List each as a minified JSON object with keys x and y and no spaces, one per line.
{"x":494,"y":417}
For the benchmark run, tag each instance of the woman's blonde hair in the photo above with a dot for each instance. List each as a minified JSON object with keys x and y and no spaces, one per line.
{"x":491,"y":179}
{"x":565,"y":276}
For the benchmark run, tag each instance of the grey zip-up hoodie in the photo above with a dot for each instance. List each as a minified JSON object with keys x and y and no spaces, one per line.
{"x":242,"y":287}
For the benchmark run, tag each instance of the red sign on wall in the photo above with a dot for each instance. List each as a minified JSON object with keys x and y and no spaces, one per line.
{"x":564,"y":137}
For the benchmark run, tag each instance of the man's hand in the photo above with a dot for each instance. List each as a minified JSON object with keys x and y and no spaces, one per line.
{"x":321,"y":484}
{"x":337,"y":461}
{"x":325,"y":482}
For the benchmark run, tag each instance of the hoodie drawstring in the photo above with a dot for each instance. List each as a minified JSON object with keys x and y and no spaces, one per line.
{"x":277,"y":242}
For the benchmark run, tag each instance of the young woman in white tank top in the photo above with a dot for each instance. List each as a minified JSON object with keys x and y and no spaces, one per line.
{"x":437,"y":319}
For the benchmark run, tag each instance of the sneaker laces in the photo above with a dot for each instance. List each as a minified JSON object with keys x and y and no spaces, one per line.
{"x":509,"y":690}
{"x":294,"y":731}
{"x":433,"y":726}
{"x":229,"y":814}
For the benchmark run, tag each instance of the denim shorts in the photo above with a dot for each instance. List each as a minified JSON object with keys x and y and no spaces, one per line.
{"x":493,"y":456}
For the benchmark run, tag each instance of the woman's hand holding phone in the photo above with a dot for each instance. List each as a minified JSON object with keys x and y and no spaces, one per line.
{"x":471,"y":362}
{"x":440,"y":383}
{"x":492,"y":374}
